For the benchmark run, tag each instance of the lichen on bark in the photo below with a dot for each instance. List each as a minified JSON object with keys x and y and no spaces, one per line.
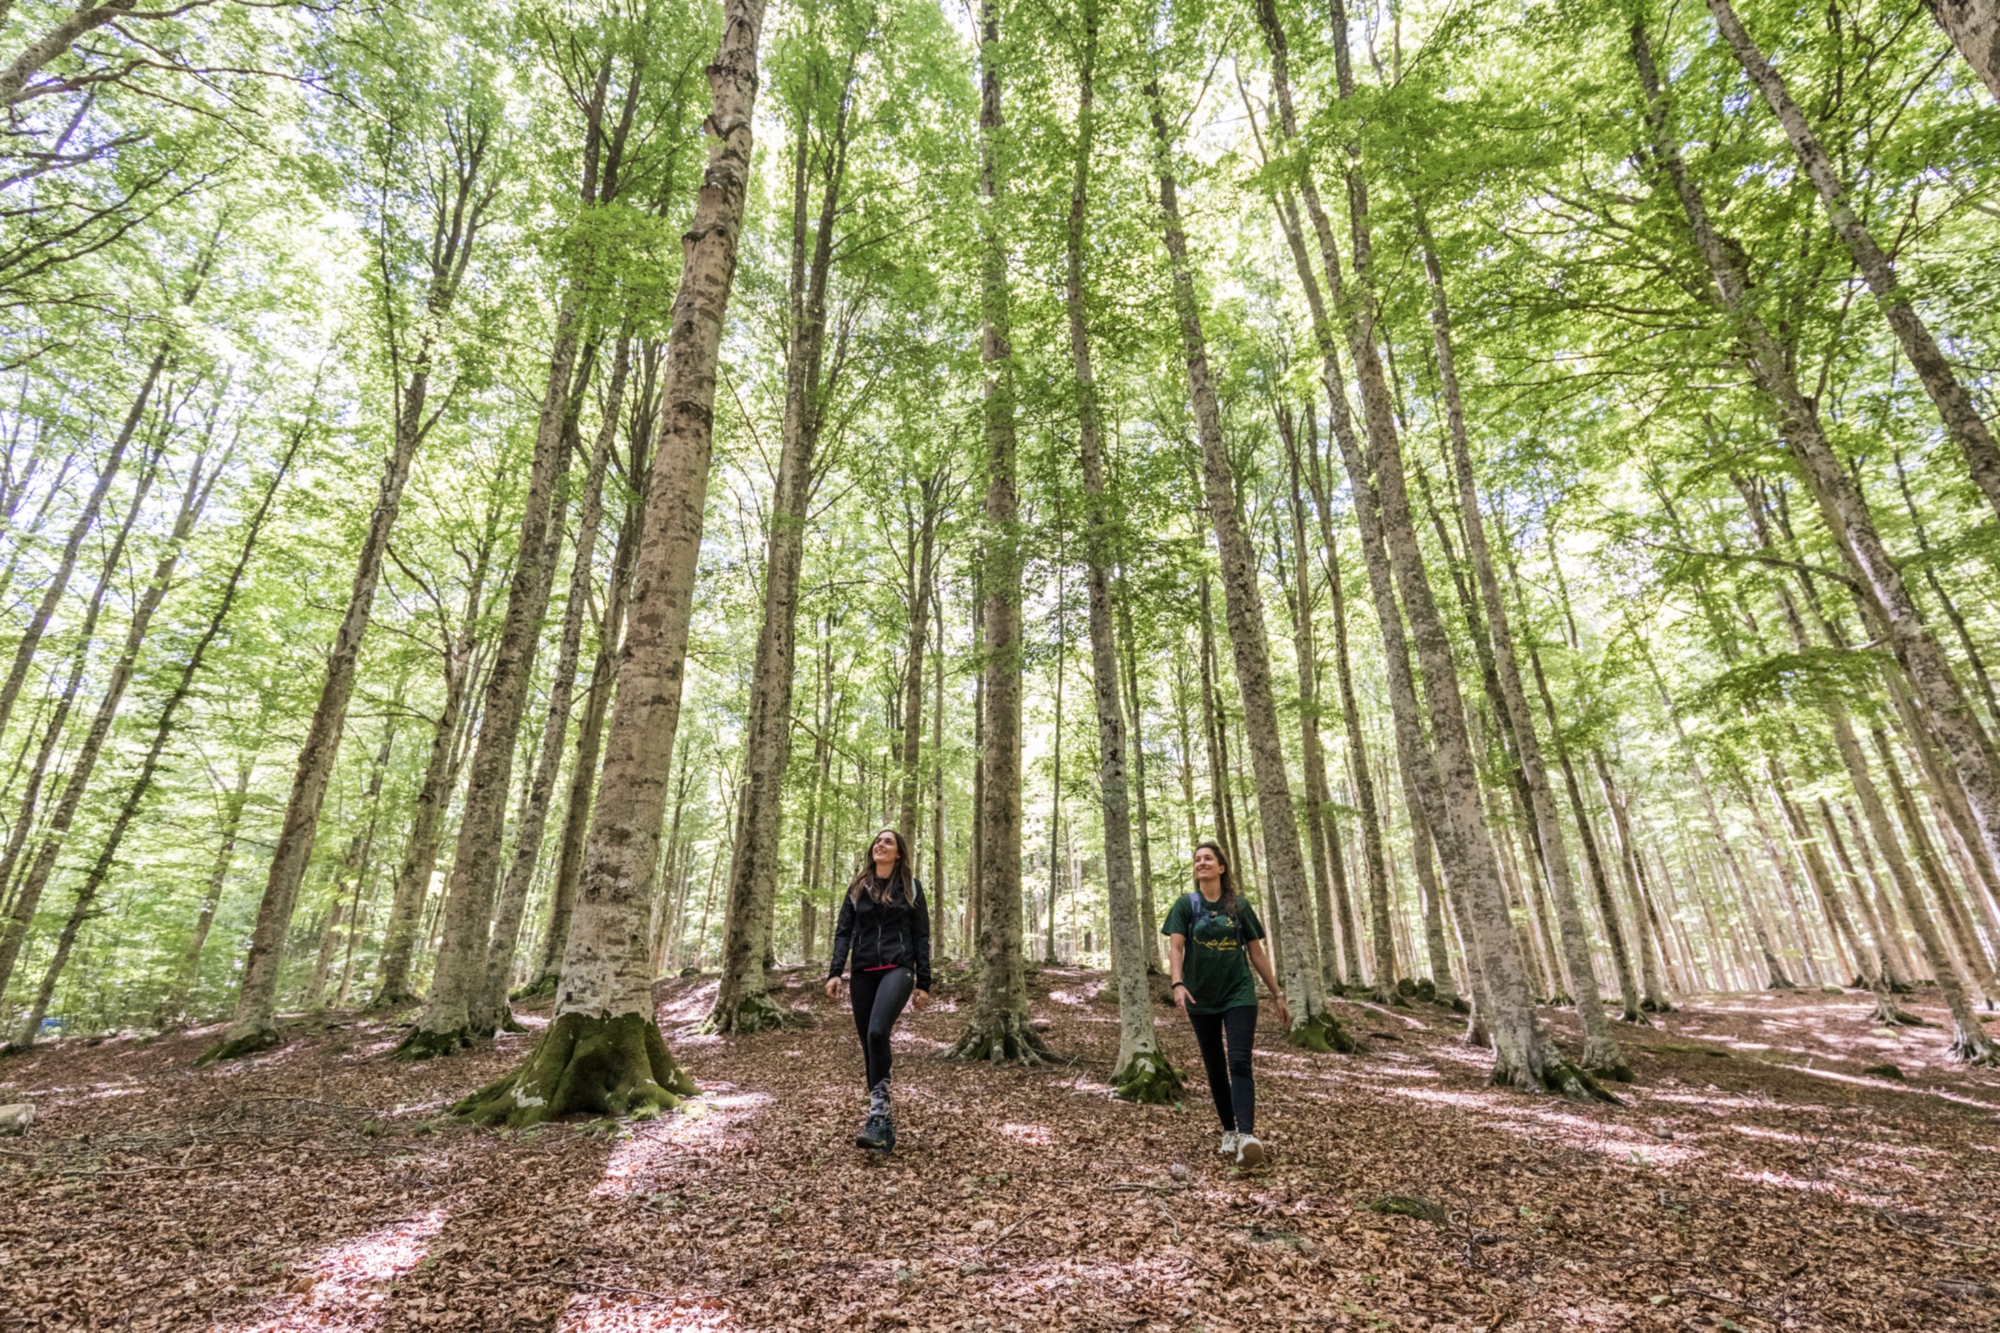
{"x":585,"y":1064}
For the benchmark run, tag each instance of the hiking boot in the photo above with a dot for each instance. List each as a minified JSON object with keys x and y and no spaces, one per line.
{"x":876,"y":1134}
{"x":1230,"y":1138}
{"x":1249,"y":1151}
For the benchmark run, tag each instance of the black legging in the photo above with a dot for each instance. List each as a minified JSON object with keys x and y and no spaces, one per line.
{"x":1229,"y":1079}
{"x":879,"y":998}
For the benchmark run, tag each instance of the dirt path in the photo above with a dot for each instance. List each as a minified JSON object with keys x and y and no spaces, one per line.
{"x":1756,"y":1179}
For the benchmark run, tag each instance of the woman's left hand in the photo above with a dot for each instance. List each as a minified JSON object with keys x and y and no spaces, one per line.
{"x":1284,"y":1012}
{"x":918,"y":999}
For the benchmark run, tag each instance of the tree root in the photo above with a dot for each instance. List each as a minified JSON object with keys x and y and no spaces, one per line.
{"x":1608,"y":1064}
{"x":1000,"y":1039}
{"x":750,"y":1013}
{"x":1559,"y":1076}
{"x":1148,"y":1079}
{"x":538,"y":989}
{"x":235,"y":1045}
{"x":1323,"y":1033}
{"x":422,"y":1045}
{"x":585,"y":1065}
{"x":1974,"y":1048}
{"x":1887,"y":1015}
{"x":1657,"y":1005}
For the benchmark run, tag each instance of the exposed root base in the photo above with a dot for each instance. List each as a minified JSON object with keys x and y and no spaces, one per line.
{"x":1974,"y":1048}
{"x":387,"y":1000}
{"x":999,"y":1040}
{"x":1887,"y":1015}
{"x":585,"y":1065}
{"x":235,"y":1045}
{"x":1657,"y":1005}
{"x":1150,"y":1080}
{"x":422,"y":1045}
{"x":1636,"y":1017}
{"x":538,"y":989}
{"x":1459,"y":1006}
{"x":1324,"y":1034}
{"x":509,"y":1023}
{"x":751,"y":1013}
{"x":16,"y":1047}
{"x":1779,"y":981}
{"x":1560,"y":1077}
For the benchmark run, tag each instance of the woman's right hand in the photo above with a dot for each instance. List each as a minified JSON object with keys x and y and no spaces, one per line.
{"x":833,"y":988}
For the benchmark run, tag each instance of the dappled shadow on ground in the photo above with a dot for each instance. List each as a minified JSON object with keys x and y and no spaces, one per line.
{"x":1758,"y":1175}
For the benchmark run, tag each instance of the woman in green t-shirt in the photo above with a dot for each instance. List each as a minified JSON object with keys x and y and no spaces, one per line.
{"x":1216,"y":940}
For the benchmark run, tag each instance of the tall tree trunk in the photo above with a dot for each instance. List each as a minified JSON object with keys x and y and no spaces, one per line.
{"x":413,"y":875}
{"x":1141,"y":1071}
{"x":1313,"y":1026}
{"x":1055,"y":786}
{"x":918,"y":571}
{"x":52,"y":592}
{"x":999,"y":1028}
{"x":603,"y":675}
{"x":1134,"y":712}
{"x":1841,"y":502}
{"x":742,"y":1001}
{"x":491,"y":1011}
{"x":602,"y":1051}
{"x":1600,"y":1048}
{"x":27,"y":898}
{"x":1645,"y":923}
{"x":174,"y":1005}
{"x":1975,"y":26}
{"x":1306,"y":646}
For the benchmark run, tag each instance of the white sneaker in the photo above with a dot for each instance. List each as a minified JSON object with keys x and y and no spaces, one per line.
{"x":1249,"y":1152}
{"x":1229,"y":1142}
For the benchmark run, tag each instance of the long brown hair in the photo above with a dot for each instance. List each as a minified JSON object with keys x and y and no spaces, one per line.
{"x":1226,"y":904}
{"x":881,"y":891}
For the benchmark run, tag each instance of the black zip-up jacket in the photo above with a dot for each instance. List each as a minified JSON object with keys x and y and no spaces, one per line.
{"x":891,"y":934}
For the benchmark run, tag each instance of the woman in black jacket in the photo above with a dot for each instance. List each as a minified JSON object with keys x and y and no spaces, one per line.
{"x":885,"y":925}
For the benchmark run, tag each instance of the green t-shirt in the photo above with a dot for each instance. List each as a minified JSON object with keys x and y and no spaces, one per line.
{"x":1216,"y":963}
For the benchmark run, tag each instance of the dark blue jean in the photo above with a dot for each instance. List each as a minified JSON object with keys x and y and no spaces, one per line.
{"x":1229,"y":1080}
{"x":879,"y":998}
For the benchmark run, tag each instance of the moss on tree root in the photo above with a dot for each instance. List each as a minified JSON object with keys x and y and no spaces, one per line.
{"x":750,"y":1013}
{"x":235,"y":1045}
{"x":585,"y":1065}
{"x":422,"y":1045}
{"x":1324,"y":1034}
{"x":998,"y":1040}
{"x":1559,"y":1076}
{"x":1887,"y":1015}
{"x":1657,"y":1006}
{"x":1974,"y":1048}
{"x":538,"y":989}
{"x":1150,"y":1079}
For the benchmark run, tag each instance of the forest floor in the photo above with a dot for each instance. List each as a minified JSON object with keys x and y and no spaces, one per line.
{"x":1755,"y":1178}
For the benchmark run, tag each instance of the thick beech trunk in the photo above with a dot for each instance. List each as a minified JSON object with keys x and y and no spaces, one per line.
{"x":1313,"y":1026}
{"x":1141,"y":1071}
{"x":451,"y":1019}
{"x":491,"y":1011}
{"x":1974,"y":28}
{"x":1134,"y":712}
{"x":602,"y":1052}
{"x":999,"y":1028}
{"x":743,"y":1003}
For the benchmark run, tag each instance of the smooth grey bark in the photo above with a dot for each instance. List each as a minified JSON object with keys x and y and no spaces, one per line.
{"x":999,"y":1029}
{"x":603,"y":1051}
{"x":1140,"y":1071}
{"x":491,"y":1012}
{"x":1645,"y":922}
{"x":1974,"y":28}
{"x":743,"y":1002}
{"x":1298,"y":964}
{"x":459,"y":214}
{"x":919,"y":570}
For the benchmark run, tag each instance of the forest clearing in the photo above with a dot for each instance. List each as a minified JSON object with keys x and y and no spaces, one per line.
{"x":1357,"y":639}
{"x":1758,"y":1179}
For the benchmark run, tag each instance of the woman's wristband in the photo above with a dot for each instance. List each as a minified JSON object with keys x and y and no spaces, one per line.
{"x":1181,"y":985}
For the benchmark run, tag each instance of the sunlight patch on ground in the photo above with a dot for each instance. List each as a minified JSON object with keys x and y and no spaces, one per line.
{"x":644,"y":1312}
{"x":707,"y":1123}
{"x":342,"y":1289}
{"x":1780,"y":1180}
{"x":693,"y":1006}
{"x":1037,"y":1136}
{"x":1574,"y":1131}
{"x":1083,"y":995}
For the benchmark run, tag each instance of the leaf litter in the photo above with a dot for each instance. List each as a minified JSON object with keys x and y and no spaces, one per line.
{"x":1758,"y":1177}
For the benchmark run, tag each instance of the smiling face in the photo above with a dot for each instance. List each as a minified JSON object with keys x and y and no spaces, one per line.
{"x":1207,"y":866}
{"x":885,"y":853}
